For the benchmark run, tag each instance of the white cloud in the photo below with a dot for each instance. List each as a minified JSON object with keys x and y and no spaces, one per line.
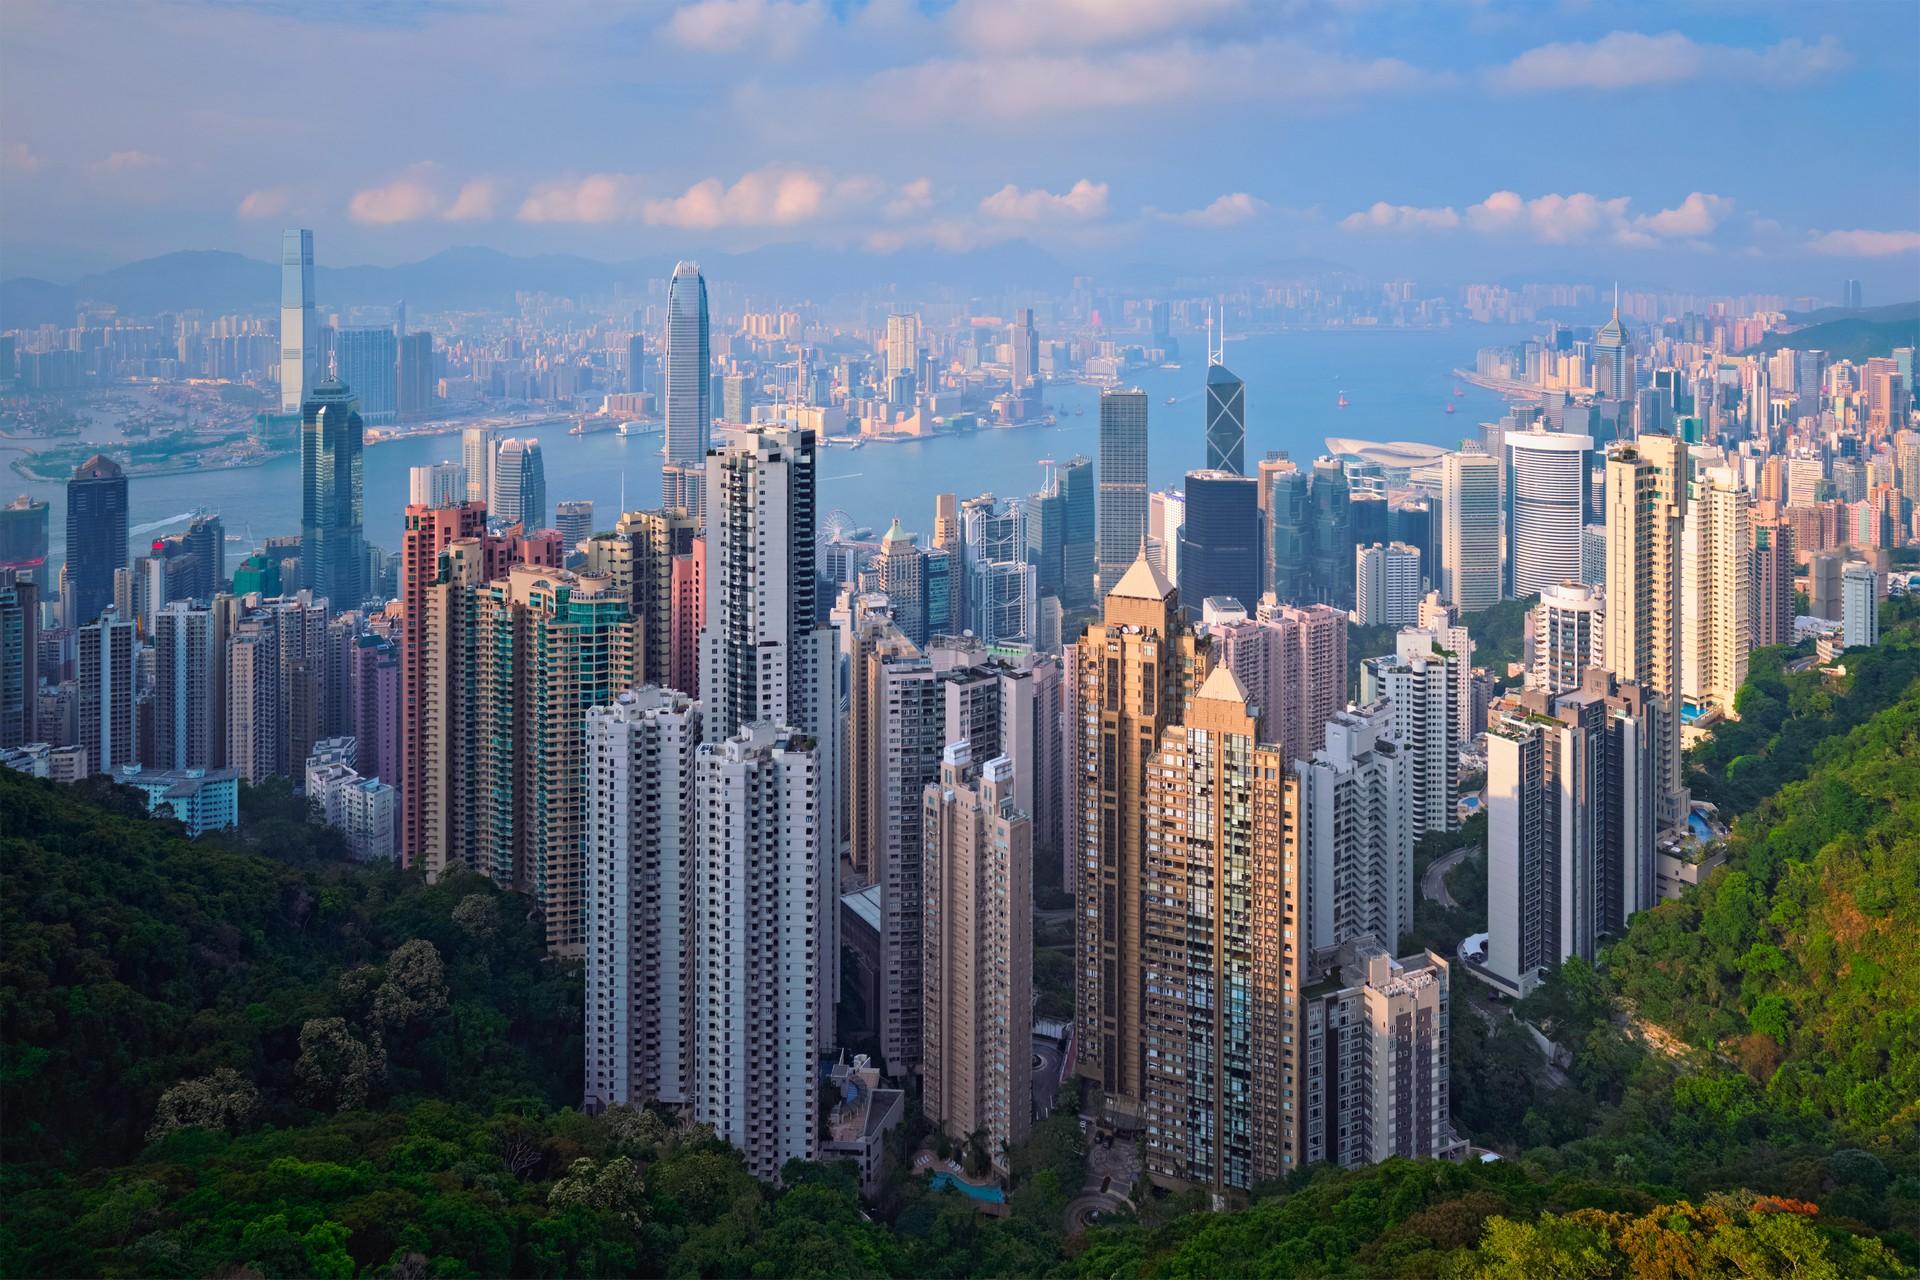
{"x":1225,"y":211}
{"x":18,"y":157}
{"x":1005,"y":26}
{"x":1381,"y":216}
{"x":913,"y":197}
{"x":474,"y":202}
{"x":1020,"y":88}
{"x":1577,"y":218}
{"x":1010,"y":204}
{"x":1865,"y":244}
{"x":763,"y":198}
{"x":268,"y":202}
{"x":1628,"y":59}
{"x":406,"y":199}
{"x":1696,"y":216}
{"x":598,"y":197}
{"x":128,"y":162}
{"x":772,"y":28}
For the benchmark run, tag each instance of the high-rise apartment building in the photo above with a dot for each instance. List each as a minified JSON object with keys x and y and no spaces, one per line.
{"x":758,"y":958}
{"x":574,"y":522}
{"x":187,"y":718}
{"x":1355,"y":822}
{"x":96,"y":537}
{"x":893,"y":752}
{"x":19,"y":659}
{"x":1421,"y":685}
{"x":977,"y":1047}
{"x":105,"y":654}
{"x":253,"y":707}
{"x":333,"y":549}
{"x":520,"y":484}
{"x":1470,"y":531}
{"x":300,"y":368}
{"x":1772,"y":583}
{"x":1859,"y":604}
{"x":642,"y":834}
{"x":1716,"y":591}
{"x":1547,"y":497}
{"x":1646,"y":513}
{"x":1569,"y":635}
{"x":1122,"y":516}
{"x":1137,"y":668}
{"x":1293,"y":663}
{"x":1219,"y":948}
{"x":689,"y":391}
{"x":547,"y":646}
{"x":1387,"y":585}
{"x":427,"y":699}
{"x":1570,"y":824}
{"x":413,"y":378}
{"x":766,"y":655}
{"x":438,"y":484}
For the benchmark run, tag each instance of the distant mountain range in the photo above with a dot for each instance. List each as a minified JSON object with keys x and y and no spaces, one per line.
{"x":475,"y":279}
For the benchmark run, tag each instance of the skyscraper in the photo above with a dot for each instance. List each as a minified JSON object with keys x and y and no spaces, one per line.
{"x":1613,"y":358}
{"x":1330,"y":533}
{"x":978,"y":960}
{"x":764,"y":656}
{"x":1122,"y":519}
{"x":104,"y":662}
{"x":1547,"y":495}
{"x":366,"y":358}
{"x":520,"y":484}
{"x":548,"y":645}
{"x":1136,"y":669}
{"x":1386,"y":585}
{"x":413,"y":379}
{"x":901,"y":568}
{"x":903,"y":346}
{"x":893,"y":753}
{"x":19,"y":659}
{"x":1226,"y":420}
{"x":1570,"y":824}
{"x":300,"y":369}
{"x":689,"y":402}
{"x":1356,"y":832}
{"x":642,"y":830}
{"x":1421,"y":685}
{"x":574,"y":521}
{"x":96,"y":536}
{"x":23,"y":537}
{"x":1215,"y":954}
{"x":1646,"y":513}
{"x":1289,"y":533}
{"x":477,"y":449}
{"x":1860,"y":604}
{"x":1220,"y":540}
{"x":1470,"y":531}
{"x":1002,"y":601}
{"x":1716,"y":617}
{"x":438,"y":484}
{"x":1077,"y":558}
{"x":1569,"y":635}
{"x":758,"y":960}
{"x":333,"y":553}
{"x":1026,"y":351}
{"x":253,"y":699}
{"x":1772,"y":583}
{"x":186,"y":716}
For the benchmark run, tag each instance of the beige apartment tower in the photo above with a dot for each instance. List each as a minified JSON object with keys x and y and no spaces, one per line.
{"x":1137,"y":668}
{"x":1646,"y":513}
{"x":977,"y":1071}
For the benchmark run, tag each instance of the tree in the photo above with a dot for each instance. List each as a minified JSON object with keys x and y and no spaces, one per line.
{"x":335,"y":1066}
{"x":224,"y":1100}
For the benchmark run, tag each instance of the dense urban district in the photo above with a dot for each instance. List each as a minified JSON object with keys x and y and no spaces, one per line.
{"x":1482,"y":858}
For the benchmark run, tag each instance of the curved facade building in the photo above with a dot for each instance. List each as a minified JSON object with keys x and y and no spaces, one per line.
{"x":1547,"y":487}
{"x":520,"y":484}
{"x":689,"y":398}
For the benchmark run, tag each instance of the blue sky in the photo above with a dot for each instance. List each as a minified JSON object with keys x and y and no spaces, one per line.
{"x":1719,"y":144}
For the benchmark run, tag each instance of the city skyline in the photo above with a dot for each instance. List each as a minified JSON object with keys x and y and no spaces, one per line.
{"x":1151,"y":98}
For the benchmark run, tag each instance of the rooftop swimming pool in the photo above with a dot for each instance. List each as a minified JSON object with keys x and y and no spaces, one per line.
{"x":1702,"y":830}
{"x":992,"y":1195}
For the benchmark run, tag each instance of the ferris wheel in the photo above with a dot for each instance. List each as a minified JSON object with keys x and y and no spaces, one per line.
{"x":836,"y":526}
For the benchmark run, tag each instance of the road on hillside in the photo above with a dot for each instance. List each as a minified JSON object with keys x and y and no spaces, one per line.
{"x":1433,"y":885}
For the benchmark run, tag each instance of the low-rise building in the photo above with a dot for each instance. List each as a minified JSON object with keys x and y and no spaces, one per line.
{"x":204,"y":799}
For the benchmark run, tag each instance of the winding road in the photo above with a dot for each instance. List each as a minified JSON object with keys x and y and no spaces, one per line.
{"x":1433,"y":885}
